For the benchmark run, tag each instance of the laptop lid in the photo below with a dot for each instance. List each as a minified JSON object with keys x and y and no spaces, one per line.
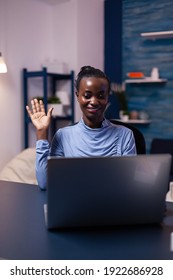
{"x":104,"y":191}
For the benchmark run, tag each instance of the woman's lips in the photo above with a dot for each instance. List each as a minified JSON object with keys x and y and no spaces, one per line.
{"x":92,"y":109}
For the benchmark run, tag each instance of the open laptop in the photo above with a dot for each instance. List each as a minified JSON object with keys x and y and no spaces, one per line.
{"x":105,"y":191}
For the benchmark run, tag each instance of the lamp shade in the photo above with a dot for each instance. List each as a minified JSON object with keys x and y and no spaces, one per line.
{"x":3,"y":66}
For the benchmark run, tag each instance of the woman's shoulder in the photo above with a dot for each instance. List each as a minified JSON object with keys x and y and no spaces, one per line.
{"x":69,"y":128}
{"x":117,"y":124}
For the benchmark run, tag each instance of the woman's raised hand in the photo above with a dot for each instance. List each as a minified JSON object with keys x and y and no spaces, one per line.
{"x":38,"y":115}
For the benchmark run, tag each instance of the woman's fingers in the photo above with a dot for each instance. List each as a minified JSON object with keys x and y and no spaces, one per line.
{"x":35,"y":106}
{"x":42,"y":106}
{"x":29,"y":111}
{"x":49,"y":113}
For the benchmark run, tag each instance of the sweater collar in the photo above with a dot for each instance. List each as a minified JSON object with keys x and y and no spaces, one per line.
{"x":104,"y":123}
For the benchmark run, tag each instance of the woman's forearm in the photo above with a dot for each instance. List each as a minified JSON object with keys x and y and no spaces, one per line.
{"x":42,"y":152}
{"x":42,"y":134}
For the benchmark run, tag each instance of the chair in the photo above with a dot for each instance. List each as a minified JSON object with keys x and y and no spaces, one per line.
{"x":139,"y":138}
{"x":163,"y":146}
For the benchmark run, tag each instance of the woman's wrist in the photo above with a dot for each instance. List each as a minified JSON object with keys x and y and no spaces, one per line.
{"x":42,"y":134}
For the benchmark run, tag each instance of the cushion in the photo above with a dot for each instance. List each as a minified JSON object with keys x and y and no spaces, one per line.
{"x":21,"y":168}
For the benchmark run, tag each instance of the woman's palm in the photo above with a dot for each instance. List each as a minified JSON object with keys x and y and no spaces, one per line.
{"x":38,"y":116}
{"x":40,"y":120}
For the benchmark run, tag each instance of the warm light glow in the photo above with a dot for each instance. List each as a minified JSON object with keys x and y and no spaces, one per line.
{"x":3,"y":67}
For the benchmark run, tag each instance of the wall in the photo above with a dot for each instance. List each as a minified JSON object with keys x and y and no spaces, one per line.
{"x":142,"y":55}
{"x":82,"y":40}
{"x":27,"y":35}
{"x":35,"y":31}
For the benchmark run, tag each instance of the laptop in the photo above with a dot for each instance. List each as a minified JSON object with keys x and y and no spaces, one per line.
{"x":106,"y":191}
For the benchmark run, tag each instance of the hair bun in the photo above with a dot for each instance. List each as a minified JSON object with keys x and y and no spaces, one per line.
{"x":86,"y":68}
{"x":89,"y":71}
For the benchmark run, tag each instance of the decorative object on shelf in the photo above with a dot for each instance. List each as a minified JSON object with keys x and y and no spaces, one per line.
{"x":134,"y":115}
{"x":56,"y":66}
{"x":139,"y":77}
{"x":155,"y":73}
{"x":54,"y":100}
{"x":63,"y":96}
{"x":3,"y":66}
{"x":124,"y":115}
{"x":135,"y":75}
{"x":143,"y":115}
{"x":119,"y":91}
{"x":55,"y":103}
{"x":65,"y":100}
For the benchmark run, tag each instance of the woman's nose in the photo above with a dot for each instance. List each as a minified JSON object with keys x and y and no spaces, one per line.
{"x":94,"y":100}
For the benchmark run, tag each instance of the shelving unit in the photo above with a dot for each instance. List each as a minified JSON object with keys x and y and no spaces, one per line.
{"x":148,"y":81}
{"x":54,"y":78}
{"x":145,"y":80}
{"x":130,"y":121}
{"x":158,"y":35}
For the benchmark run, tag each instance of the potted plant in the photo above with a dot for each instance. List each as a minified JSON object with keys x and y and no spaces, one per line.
{"x":55,"y":103}
{"x":119,"y":90}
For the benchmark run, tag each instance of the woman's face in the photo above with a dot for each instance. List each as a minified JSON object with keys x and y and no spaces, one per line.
{"x":93,"y":98}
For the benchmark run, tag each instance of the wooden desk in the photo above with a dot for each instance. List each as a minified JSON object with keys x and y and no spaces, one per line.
{"x":23,"y":234}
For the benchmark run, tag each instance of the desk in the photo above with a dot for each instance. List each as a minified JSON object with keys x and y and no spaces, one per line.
{"x":23,"y":234}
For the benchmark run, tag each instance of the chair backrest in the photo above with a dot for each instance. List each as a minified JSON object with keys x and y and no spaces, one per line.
{"x":139,"y":138}
{"x":163,"y":146}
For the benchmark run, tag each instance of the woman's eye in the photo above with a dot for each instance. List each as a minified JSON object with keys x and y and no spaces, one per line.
{"x":101,"y":96}
{"x":86,"y":95}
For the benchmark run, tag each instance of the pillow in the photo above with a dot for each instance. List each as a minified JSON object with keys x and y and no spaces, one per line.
{"x":21,"y":168}
{"x":169,"y":195}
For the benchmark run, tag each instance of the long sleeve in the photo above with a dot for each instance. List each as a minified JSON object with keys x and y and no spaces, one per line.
{"x":42,"y":152}
{"x":128,"y":144}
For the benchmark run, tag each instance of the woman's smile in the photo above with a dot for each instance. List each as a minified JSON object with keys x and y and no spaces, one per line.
{"x":92,"y":109}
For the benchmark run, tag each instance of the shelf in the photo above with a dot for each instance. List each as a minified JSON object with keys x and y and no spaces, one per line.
{"x":158,"y":35}
{"x":145,"y":80}
{"x":59,"y":76}
{"x":135,"y":121}
{"x":32,"y":74}
{"x":63,"y":118}
{"x":54,"y":79}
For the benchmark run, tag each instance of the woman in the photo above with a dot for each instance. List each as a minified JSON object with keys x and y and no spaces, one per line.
{"x":93,"y":135}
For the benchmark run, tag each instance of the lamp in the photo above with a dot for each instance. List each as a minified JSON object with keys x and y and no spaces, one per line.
{"x":3,"y":66}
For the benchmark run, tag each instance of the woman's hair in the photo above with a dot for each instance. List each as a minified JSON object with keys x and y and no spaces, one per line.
{"x":89,"y":71}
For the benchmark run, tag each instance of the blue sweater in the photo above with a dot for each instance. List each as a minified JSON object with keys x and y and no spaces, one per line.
{"x":79,"y":140}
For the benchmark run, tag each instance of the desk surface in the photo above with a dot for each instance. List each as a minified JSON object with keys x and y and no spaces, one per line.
{"x":23,"y":234}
